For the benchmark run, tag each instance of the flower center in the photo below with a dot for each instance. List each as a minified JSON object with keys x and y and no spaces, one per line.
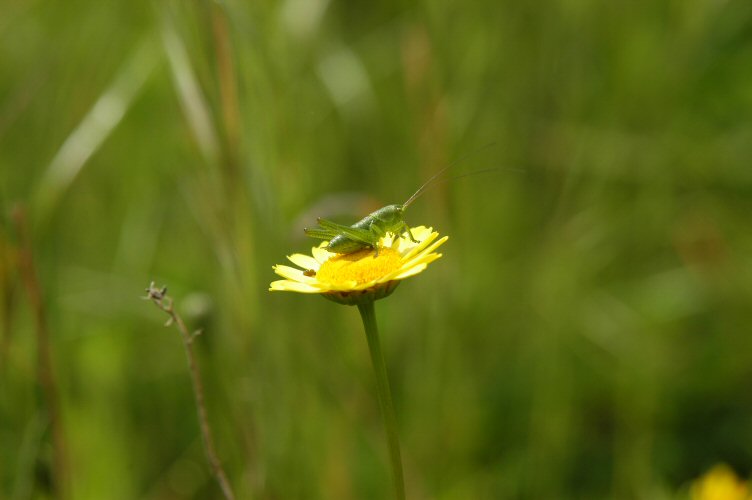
{"x":361,"y":266}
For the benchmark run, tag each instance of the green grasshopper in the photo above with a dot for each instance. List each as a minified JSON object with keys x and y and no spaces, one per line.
{"x":367,"y":232}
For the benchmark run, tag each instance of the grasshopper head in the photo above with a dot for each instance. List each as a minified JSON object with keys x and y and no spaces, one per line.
{"x":391,"y":214}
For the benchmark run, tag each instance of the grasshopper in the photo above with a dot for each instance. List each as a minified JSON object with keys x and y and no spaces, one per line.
{"x":367,"y":232}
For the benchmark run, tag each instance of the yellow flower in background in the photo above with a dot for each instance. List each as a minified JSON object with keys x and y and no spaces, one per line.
{"x":346,"y":278}
{"x":720,"y":483}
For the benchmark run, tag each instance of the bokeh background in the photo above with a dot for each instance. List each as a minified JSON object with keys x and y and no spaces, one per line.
{"x":586,"y":334}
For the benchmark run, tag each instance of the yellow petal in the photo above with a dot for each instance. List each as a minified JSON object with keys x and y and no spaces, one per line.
{"x":292,"y":273}
{"x":436,"y":244}
{"x":292,"y":286}
{"x":407,"y":270}
{"x":421,"y":232}
{"x":411,"y":272}
{"x":419,"y":246}
{"x":420,"y":259}
{"x":304,"y":261}
{"x":321,"y":255}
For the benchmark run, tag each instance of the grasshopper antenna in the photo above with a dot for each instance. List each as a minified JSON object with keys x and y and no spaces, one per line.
{"x":441,"y":172}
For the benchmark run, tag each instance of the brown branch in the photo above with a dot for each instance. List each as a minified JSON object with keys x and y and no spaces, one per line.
{"x":165,"y":303}
{"x":45,"y":370}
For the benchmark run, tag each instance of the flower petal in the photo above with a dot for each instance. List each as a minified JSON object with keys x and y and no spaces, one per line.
{"x":411,"y":272}
{"x":436,"y":244}
{"x":321,"y":254}
{"x":420,"y":233}
{"x":406,"y":270}
{"x":292,"y":286}
{"x":292,"y":273}
{"x":304,"y":261}
{"x":420,"y":259}
{"x":417,"y":247}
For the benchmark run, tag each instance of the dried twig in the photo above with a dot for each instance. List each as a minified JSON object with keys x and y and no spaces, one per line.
{"x":165,"y":303}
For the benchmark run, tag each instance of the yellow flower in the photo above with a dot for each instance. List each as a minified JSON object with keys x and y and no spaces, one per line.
{"x":348,"y":277}
{"x":720,"y":483}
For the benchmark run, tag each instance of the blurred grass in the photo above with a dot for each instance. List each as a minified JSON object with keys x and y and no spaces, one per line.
{"x":584,"y":336}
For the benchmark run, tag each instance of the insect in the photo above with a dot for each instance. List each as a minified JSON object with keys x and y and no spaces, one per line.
{"x":367,"y":232}
{"x":310,"y":273}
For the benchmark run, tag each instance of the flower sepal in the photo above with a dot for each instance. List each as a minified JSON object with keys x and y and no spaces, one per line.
{"x":358,"y":297}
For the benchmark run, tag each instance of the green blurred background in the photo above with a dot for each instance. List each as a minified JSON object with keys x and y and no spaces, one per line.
{"x":586,"y":334}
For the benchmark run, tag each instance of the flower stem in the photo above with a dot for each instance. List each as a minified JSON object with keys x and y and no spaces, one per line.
{"x":385,"y":396}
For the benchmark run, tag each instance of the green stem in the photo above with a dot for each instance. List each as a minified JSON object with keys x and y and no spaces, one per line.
{"x":385,"y":396}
